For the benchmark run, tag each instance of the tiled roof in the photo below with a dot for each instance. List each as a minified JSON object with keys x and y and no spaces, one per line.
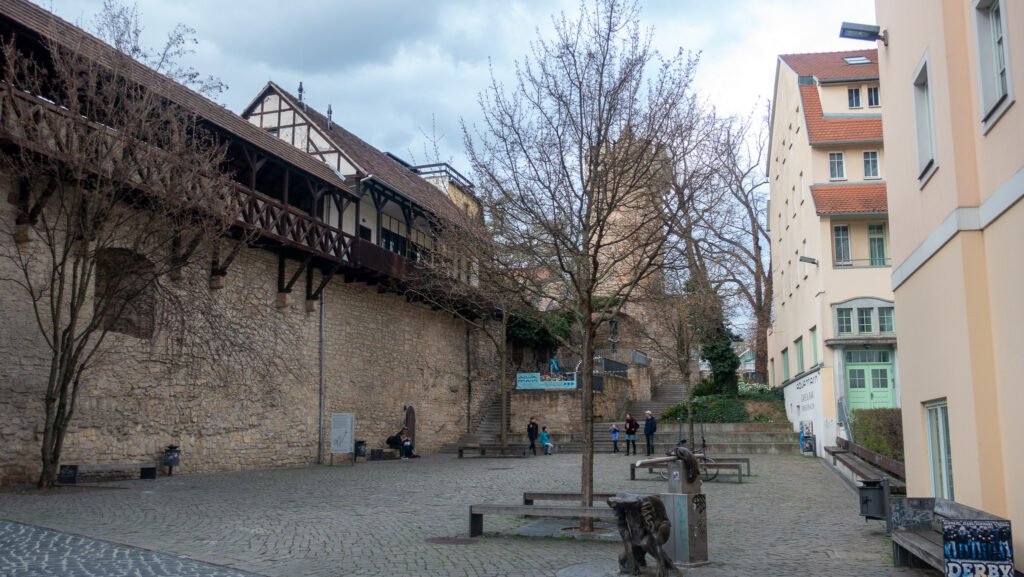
{"x":47,"y":25}
{"x":821,"y":130}
{"x":849,"y":198}
{"x":373,"y":161}
{"x":831,"y":66}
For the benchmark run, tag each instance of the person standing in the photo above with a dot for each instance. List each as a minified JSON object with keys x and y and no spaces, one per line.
{"x":531,"y":432}
{"x":631,"y":428}
{"x":650,"y":426}
{"x":615,"y":438}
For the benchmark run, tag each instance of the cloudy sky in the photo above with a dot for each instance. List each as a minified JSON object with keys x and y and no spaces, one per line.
{"x":393,"y":68}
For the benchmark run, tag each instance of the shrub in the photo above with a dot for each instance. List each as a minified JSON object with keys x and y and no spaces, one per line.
{"x":762,"y":418}
{"x":878,"y":430}
{"x":726,"y":411}
{"x":675,"y":412}
{"x":706,"y":386}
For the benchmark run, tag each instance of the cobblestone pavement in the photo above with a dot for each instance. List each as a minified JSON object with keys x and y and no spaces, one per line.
{"x":793,"y":517}
{"x":31,"y":550}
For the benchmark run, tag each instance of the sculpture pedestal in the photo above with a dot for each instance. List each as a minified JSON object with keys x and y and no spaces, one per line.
{"x":688,"y":543}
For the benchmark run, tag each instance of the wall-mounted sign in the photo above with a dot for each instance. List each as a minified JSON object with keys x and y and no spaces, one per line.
{"x":545,"y":381}
{"x":977,"y":547}
{"x":343,"y":433}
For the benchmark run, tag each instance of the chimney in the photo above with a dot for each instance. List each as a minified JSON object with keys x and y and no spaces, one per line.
{"x":329,"y":123}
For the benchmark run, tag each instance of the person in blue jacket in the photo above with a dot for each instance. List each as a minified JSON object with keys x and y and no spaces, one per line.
{"x":650,"y":426}
{"x":545,"y":441}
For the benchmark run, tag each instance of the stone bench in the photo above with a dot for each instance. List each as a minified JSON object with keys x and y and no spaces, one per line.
{"x":68,"y":474}
{"x":917,"y":530}
{"x":530,"y":496}
{"x":477,"y":512}
{"x":517,"y":450}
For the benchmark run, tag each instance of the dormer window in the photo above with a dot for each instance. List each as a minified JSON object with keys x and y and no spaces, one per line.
{"x":853,"y":95}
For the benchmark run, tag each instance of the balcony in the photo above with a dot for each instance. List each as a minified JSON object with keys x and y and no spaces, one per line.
{"x":379,"y":261}
{"x":863,"y":263}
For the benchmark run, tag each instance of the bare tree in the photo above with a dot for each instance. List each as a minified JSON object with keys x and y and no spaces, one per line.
{"x":572,"y":167}
{"x":115,"y":191}
{"x":739,"y":235}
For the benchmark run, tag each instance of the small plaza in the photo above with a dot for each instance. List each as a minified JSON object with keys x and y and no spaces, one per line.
{"x":793,"y":516}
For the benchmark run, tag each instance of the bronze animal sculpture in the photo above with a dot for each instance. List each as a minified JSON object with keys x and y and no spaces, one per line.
{"x":689,"y":463}
{"x":644,"y":527}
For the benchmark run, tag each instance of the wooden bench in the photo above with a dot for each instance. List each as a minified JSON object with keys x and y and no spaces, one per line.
{"x":517,"y":450}
{"x":917,"y":530}
{"x":477,"y":512}
{"x":738,"y":467}
{"x":743,"y":460}
{"x":852,"y":457}
{"x":68,"y":474}
{"x":531,"y":496}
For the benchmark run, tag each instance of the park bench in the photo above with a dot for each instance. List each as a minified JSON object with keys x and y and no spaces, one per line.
{"x":738,"y":467}
{"x":516,"y":449}
{"x":477,"y":512}
{"x":530,"y":496}
{"x":68,"y":474}
{"x":868,"y":465}
{"x":917,"y":529}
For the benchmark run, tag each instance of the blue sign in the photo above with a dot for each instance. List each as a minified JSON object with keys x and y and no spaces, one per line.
{"x":526,"y":381}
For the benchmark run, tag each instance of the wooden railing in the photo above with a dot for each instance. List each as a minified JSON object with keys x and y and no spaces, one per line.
{"x":269,"y":218}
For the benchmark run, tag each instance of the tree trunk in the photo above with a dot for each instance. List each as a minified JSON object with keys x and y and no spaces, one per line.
{"x":586,"y":379}
{"x":503,"y":435}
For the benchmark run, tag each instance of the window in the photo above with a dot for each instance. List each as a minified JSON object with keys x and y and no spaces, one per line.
{"x":871,"y":164}
{"x":923,"y":127}
{"x":857,"y":59}
{"x":798,"y":345}
{"x":876,"y":244}
{"x":864,"y":320}
{"x":785,"y":364}
{"x":873,"y":99}
{"x":993,"y":69}
{"x":885,"y":320}
{"x":853,"y":95}
{"x":939,"y":453}
{"x":844,"y":321}
{"x":841,"y":236}
{"x":814,"y":346}
{"x":836,"y":166}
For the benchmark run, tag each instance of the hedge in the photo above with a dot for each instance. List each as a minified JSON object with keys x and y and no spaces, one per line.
{"x":878,"y":430}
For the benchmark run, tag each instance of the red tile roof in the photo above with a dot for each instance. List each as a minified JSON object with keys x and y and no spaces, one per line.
{"x":831,"y":66}
{"x":849,"y":198}
{"x":821,"y":130}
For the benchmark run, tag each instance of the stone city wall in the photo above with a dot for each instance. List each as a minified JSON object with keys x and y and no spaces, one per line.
{"x":236,"y":384}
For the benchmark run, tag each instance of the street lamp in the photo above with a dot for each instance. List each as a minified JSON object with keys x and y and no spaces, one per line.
{"x":863,"y":32}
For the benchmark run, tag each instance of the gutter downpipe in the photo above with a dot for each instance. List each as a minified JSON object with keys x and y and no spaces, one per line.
{"x":320,"y":436}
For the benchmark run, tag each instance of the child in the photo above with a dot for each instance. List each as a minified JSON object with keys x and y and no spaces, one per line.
{"x":545,"y":441}
{"x":615,"y":438}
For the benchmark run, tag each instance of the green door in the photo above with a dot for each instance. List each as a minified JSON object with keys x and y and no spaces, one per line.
{"x":869,"y":379}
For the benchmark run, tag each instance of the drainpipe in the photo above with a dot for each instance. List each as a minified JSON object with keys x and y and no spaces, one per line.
{"x":320,"y":428}
{"x":469,"y":387}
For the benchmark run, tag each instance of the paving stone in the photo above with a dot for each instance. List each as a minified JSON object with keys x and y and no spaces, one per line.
{"x":793,"y":517}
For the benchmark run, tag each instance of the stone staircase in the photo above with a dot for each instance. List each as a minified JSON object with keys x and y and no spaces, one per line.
{"x":662,"y":397}
{"x":487,"y":431}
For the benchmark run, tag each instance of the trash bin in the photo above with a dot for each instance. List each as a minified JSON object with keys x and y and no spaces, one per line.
{"x":360,"y":448}
{"x":172,"y":458}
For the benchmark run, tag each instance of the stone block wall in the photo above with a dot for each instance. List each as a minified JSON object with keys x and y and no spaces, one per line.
{"x":561,"y":410}
{"x":237,"y":384}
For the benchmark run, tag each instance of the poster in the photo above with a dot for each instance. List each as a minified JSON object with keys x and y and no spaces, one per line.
{"x":545,"y":381}
{"x":343,"y":432}
{"x":976,"y":548}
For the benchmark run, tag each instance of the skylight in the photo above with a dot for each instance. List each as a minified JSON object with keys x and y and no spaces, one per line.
{"x":857,"y":59}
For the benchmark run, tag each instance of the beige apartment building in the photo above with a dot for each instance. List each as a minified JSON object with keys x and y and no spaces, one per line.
{"x":956,"y":174}
{"x":832,"y":344}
